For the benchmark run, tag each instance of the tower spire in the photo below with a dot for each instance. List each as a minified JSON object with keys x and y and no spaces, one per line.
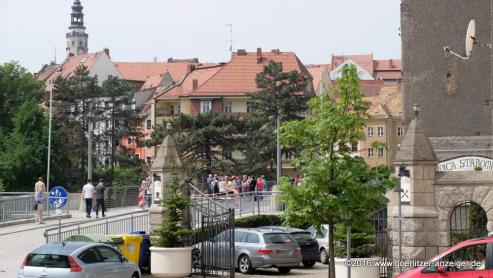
{"x":76,"y":36}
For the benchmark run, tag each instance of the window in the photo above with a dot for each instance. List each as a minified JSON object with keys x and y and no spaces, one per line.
{"x":380,"y":152}
{"x":249,"y":107}
{"x":178,"y":109}
{"x":370,"y":131}
{"x":239,"y":236}
{"x":227,"y":154}
{"x":90,"y":256}
{"x":109,"y":255}
{"x":252,"y":238}
{"x":354,"y":147}
{"x":205,"y":106}
{"x":469,"y":258}
{"x":370,"y":152}
{"x":172,"y":110}
{"x":278,"y":238}
{"x":400,"y":131}
{"x":149,"y":124}
{"x":137,"y":156}
{"x":228,"y":107}
{"x":288,"y":155}
{"x":149,"y":159}
{"x":48,"y":261}
{"x":380,"y":131}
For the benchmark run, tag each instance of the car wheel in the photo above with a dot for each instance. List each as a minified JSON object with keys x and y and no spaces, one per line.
{"x":244,"y":265}
{"x":284,"y":270}
{"x":135,"y":275}
{"x":324,"y":257}
{"x":308,"y":263}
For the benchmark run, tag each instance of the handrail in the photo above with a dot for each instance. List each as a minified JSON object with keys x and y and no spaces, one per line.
{"x":200,"y":193}
{"x":95,"y":220}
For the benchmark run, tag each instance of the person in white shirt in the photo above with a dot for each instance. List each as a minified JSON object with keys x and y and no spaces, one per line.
{"x":88,"y":193}
{"x":222,"y":186}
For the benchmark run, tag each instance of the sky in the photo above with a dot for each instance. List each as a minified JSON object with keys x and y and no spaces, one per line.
{"x":31,"y":30}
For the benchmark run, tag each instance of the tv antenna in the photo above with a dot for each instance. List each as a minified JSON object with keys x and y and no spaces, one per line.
{"x":471,"y":42}
{"x":230,"y":37}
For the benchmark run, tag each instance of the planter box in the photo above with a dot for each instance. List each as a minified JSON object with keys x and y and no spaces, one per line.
{"x":171,"y":262}
{"x":362,"y":268}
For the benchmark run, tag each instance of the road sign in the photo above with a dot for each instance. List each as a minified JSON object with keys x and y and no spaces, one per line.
{"x":58,"y":197}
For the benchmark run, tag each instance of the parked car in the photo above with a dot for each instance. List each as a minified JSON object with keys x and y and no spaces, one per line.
{"x":323,"y":242}
{"x":254,"y":248}
{"x":306,"y":241}
{"x":470,"y":258}
{"x":77,"y":259}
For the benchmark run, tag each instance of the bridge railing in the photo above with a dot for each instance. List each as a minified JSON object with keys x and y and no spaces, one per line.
{"x":117,"y":224}
{"x":20,"y":206}
{"x":249,"y":203}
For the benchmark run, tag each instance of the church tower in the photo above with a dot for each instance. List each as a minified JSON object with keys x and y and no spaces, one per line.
{"x":77,"y":37}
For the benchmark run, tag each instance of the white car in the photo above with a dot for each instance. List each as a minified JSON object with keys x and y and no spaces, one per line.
{"x":323,"y":241}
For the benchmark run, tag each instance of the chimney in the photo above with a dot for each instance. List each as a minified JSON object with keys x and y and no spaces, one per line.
{"x":241,"y":52}
{"x":190,"y":68}
{"x":391,"y":63}
{"x":107,"y":51}
{"x":259,"y":55}
{"x":276,"y":51}
{"x":195,"y":84}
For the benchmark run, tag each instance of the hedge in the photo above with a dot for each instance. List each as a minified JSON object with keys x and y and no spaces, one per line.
{"x":258,"y":221}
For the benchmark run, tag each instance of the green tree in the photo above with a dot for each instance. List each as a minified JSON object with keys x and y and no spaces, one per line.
{"x":120,"y":113}
{"x":16,"y":86}
{"x":23,"y":151}
{"x":205,"y":141}
{"x":281,"y":94}
{"x":337,"y":187}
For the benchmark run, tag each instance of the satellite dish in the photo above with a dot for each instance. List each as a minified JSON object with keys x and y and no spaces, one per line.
{"x":470,"y":42}
{"x":470,"y":37}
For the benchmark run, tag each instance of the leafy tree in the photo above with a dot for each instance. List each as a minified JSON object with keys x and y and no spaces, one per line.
{"x":337,"y":187}
{"x":23,"y":151}
{"x":16,"y":86}
{"x":281,"y":94}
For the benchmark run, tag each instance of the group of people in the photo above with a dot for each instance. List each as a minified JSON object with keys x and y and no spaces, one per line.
{"x":221,"y":184}
{"x":90,"y":192}
{"x":145,"y":191}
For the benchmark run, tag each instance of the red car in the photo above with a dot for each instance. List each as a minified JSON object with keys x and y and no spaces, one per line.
{"x":472,"y":258}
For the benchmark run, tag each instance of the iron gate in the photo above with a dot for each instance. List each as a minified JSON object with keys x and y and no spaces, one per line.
{"x":382,"y":243}
{"x":467,"y":220}
{"x":213,"y":236}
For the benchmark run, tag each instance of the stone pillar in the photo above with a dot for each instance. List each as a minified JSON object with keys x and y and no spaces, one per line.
{"x":420,"y":237}
{"x":167,"y":164}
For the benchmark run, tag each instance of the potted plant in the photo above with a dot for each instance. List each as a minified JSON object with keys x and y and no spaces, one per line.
{"x":171,"y":253}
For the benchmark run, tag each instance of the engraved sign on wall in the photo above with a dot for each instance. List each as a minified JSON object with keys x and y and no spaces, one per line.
{"x":466,"y":163}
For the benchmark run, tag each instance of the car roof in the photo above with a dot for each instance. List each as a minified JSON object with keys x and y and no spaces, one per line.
{"x":284,"y":229}
{"x":62,"y":248}
{"x":259,"y":230}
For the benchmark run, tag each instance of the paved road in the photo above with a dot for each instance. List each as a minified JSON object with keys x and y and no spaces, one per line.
{"x":17,"y":241}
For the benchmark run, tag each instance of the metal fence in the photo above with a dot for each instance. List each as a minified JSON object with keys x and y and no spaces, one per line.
{"x":213,"y":236}
{"x":117,"y":224}
{"x":122,"y":196}
{"x":20,"y":206}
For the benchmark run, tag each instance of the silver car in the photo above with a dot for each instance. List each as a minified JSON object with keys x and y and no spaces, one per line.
{"x":77,"y":259}
{"x":323,"y":241}
{"x":254,"y":248}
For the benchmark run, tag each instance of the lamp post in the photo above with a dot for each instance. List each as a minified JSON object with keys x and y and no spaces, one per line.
{"x":278,"y":147}
{"x":49,"y":145}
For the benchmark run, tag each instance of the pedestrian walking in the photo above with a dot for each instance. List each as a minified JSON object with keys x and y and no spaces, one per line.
{"x":88,"y":193}
{"x":148,"y":192}
{"x":245,"y":183}
{"x":260,"y":188}
{"x":39,"y":200}
{"x":99,"y":194}
{"x":141,"y":197}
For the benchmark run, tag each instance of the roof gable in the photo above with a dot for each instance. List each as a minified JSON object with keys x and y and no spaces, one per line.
{"x":363,"y":74}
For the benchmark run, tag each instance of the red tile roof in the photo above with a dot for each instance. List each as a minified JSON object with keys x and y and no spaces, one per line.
{"x":365,"y":61}
{"x":237,"y":78}
{"x":68,"y":67}
{"x":370,"y":88}
{"x":185,"y":87}
{"x":152,"y":81}
{"x":140,"y":71}
{"x":390,"y":64}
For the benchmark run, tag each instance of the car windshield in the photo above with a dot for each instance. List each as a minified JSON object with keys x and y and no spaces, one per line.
{"x":276,"y":238}
{"x":302,"y":235}
{"x":48,"y":261}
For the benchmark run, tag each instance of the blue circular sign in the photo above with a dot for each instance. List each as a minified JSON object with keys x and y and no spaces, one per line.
{"x":58,"y":197}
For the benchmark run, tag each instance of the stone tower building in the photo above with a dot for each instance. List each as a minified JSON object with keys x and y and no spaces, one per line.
{"x":77,"y":37}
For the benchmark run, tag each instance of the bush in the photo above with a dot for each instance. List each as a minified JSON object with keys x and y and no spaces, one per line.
{"x":258,"y":221}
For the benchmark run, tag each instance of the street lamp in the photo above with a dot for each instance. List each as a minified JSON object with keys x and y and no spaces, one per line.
{"x":49,"y":146}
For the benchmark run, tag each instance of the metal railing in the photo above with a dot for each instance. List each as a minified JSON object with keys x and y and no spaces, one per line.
{"x":249,"y":203}
{"x":122,"y":196}
{"x":117,"y":224}
{"x":20,"y":206}
{"x":213,"y":236}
